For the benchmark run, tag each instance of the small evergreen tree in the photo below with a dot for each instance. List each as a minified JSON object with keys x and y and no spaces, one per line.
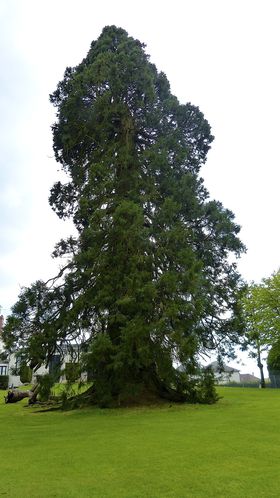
{"x":206,"y":388}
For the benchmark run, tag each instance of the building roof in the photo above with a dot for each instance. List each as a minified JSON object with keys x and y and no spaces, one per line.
{"x":220,"y":368}
{"x":249,"y":378}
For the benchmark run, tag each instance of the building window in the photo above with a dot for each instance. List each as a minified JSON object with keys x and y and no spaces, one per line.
{"x":3,"y":369}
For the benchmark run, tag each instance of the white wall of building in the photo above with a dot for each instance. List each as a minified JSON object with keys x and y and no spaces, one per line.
{"x":226,"y":377}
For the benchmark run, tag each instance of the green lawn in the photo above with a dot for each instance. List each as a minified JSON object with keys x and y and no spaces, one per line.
{"x":231,"y":449}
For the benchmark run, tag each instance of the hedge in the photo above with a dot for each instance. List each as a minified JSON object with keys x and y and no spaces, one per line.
{"x":4,"y":381}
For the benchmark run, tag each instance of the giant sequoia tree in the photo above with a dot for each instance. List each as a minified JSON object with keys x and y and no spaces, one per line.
{"x":148,"y":280}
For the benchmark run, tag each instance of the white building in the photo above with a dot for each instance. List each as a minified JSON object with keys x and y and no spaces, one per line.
{"x":224,"y":374}
{"x":11,"y":366}
{"x":10,"y":363}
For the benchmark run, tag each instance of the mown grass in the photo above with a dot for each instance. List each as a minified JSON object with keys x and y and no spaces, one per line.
{"x":231,"y":449}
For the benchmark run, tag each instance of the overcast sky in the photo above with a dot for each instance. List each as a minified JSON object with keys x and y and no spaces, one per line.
{"x":222,"y":56}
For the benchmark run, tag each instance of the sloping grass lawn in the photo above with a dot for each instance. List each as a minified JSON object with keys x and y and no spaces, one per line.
{"x":231,"y":449}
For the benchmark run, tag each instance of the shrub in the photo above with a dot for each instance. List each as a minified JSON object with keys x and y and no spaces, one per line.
{"x":273,"y":365}
{"x":206,"y":392}
{"x":25,"y":373}
{"x":4,"y":381}
{"x":200,"y":387}
{"x":46,"y":383}
{"x":273,"y":359}
{"x":72,"y":371}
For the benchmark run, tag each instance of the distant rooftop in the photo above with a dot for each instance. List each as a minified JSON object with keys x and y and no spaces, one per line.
{"x":248,"y":378}
{"x":218,"y":367}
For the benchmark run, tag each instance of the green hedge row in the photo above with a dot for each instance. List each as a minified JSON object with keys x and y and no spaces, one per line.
{"x":4,"y":381}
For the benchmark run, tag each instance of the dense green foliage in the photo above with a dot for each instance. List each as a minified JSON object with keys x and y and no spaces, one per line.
{"x":273,"y":358}
{"x":45,"y":384}
{"x":72,"y":371}
{"x":148,"y":280}
{"x":261,"y":309}
{"x":25,"y":373}
{"x":230,"y":449}
{"x":4,"y":381}
{"x":273,"y":364}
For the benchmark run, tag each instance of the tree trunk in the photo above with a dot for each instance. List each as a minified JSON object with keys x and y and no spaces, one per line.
{"x":260,"y":365}
{"x":34,"y":394}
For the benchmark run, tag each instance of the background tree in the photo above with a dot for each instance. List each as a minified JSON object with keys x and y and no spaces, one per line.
{"x":273,"y":364}
{"x":261,"y":315}
{"x":148,"y":280}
